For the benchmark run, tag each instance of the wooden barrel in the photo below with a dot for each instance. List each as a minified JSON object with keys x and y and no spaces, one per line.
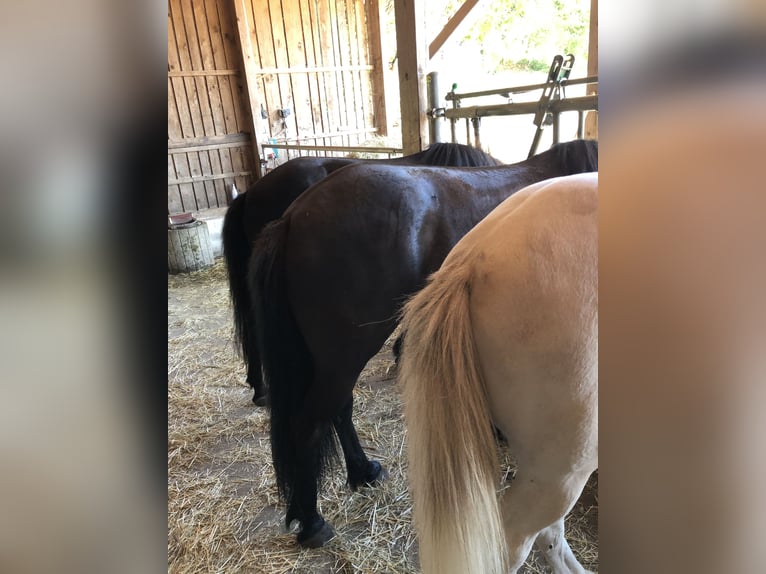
{"x":189,"y":247}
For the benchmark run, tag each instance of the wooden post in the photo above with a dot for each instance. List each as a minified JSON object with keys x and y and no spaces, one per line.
{"x":244,"y":25}
{"x":411,"y":50}
{"x":591,"y":120}
{"x":189,"y":247}
{"x":376,"y":60}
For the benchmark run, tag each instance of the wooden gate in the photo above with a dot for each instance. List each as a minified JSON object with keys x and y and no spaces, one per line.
{"x":309,"y":69}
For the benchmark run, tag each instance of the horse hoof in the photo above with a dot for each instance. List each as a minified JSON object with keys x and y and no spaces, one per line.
{"x":261,"y":400}
{"x":375,"y":473}
{"x":319,"y":538}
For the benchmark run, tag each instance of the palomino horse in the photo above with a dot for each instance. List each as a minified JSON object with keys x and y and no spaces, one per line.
{"x":328,"y":280}
{"x":267,"y":200}
{"x":506,"y":332}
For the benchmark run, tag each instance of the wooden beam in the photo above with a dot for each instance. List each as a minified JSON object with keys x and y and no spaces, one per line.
{"x":451,"y":26}
{"x":201,"y":73}
{"x":208,"y":140}
{"x":335,"y":148}
{"x":201,"y":178}
{"x":518,"y":89}
{"x":375,"y":45}
{"x":593,"y":42}
{"x":520,"y":108}
{"x":336,"y":134}
{"x":244,"y":25}
{"x":314,"y":69}
{"x":591,"y":119}
{"x":199,"y":148}
{"x":411,"y":49}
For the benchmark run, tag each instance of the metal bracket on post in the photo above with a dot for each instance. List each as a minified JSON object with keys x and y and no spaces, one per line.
{"x":436,"y":112}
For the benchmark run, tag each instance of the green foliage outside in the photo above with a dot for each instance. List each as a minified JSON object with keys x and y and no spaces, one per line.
{"x":524,"y":35}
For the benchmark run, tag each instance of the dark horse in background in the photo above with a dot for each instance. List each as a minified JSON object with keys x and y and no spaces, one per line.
{"x":328,"y":280}
{"x":268,"y":199}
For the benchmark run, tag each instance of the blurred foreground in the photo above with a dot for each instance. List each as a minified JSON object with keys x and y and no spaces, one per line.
{"x":682,"y":277}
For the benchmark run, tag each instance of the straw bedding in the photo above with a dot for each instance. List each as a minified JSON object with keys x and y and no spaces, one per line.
{"x":223,"y":511}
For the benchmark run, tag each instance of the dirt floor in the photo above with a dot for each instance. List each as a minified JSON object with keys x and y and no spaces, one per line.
{"x":223,"y":511}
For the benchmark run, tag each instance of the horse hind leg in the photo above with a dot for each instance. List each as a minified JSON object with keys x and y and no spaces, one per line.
{"x":310,"y":443}
{"x":532,"y":508}
{"x":553,"y":545}
{"x":329,"y":400}
{"x":361,"y":470}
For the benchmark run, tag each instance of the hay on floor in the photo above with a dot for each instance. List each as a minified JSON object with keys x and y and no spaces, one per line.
{"x":223,"y":511}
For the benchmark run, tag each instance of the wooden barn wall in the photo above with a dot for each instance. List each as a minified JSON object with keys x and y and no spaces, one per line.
{"x":209,"y":125}
{"x":311,"y":57}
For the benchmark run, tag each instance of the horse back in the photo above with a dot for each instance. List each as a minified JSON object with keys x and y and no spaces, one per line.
{"x":406,"y":215}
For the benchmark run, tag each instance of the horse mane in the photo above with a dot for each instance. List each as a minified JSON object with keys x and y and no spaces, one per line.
{"x":578,"y":155}
{"x":454,"y":154}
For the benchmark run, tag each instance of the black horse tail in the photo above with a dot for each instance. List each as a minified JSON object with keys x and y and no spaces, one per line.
{"x":236,"y":251}
{"x":287,"y":367}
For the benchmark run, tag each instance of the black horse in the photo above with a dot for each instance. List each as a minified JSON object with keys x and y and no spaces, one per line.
{"x":328,"y":280}
{"x":267,"y":200}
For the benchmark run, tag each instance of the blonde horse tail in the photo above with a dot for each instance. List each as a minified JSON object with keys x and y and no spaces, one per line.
{"x":453,"y":464}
